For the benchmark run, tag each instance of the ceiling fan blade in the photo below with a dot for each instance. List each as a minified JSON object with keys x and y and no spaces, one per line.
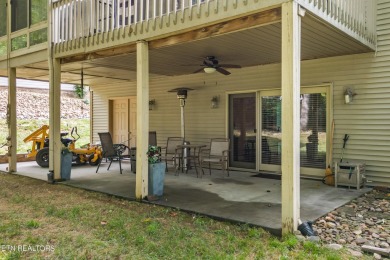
{"x":223,"y":71}
{"x":193,"y":65}
{"x":198,"y":70}
{"x":230,"y":66}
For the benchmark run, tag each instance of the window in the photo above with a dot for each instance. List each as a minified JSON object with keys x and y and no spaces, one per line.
{"x":3,"y":17}
{"x":19,"y":15}
{"x":25,"y":13}
{"x":38,"y":11}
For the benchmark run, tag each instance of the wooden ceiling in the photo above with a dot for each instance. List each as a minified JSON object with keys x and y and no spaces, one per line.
{"x":255,"y":46}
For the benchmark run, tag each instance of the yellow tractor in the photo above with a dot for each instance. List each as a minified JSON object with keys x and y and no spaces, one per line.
{"x":40,"y":147}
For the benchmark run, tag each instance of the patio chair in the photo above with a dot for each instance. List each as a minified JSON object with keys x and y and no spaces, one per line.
{"x":172,"y":153}
{"x":218,"y":153}
{"x":110,"y":152}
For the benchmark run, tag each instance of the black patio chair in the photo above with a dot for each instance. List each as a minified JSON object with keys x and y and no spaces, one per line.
{"x":110,"y":152}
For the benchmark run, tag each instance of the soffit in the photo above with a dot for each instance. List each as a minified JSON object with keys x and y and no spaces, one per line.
{"x":255,"y":46}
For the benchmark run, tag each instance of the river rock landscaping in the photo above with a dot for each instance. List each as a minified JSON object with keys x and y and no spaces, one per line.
{"x":363,"y":221}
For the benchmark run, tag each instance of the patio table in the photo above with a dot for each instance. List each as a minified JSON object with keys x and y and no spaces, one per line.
{"x":191,"y":156}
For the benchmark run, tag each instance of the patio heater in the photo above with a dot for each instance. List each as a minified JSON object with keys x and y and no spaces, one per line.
{"x":182,"y":96}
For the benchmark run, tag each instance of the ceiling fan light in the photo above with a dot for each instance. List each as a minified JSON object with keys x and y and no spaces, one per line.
{"x":209,"y":70}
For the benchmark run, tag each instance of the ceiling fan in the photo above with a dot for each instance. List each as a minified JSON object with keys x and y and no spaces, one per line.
{"x":211,"y":64}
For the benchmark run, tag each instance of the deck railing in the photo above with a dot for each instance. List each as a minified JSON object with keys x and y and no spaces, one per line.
{"x":79,"y":18}
{"x":358,"y":16}
{"x":74,"y":19}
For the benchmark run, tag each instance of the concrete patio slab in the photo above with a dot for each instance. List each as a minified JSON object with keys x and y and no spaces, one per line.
{"x":239,"y":198}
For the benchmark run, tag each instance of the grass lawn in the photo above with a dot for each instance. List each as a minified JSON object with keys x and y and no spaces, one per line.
{"x":77,"y":224}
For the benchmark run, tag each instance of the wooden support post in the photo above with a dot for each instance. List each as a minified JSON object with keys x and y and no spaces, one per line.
{"x":55,"y":144}
{"x":11,"y":120}
{"x":141,"y":187}
{"x":291,"y":58}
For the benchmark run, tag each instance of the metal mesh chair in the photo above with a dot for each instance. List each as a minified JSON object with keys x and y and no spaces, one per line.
{"x":172,"y":153}
{"x":110,"y":152}
{"x":217,"y":154}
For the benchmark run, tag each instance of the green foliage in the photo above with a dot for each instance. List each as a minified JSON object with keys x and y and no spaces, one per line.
{"x":79,"y":91}
{"x":38,"y":11}
{"x":32,"y":224}
{"x":3,"y":17}
{"x":19,"y":42}
{"x":38,"y":36}
{"x":3,"y":48}
{"x":154,"y":155}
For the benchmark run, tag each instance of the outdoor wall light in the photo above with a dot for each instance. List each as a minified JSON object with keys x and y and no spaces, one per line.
{"x":348,"y":96}
{"x":152,"y":104}
{"x":209,"y":69}
{"x":214,"y":102}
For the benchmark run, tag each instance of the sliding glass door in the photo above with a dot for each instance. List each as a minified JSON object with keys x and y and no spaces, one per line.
{"x":313,"y":123}
{"x":271,"y":127}
{"x":255,"y":130}
{"x":242,"y":130}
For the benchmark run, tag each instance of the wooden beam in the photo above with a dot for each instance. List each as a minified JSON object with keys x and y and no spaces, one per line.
{"x":291,"y":59}
{"x":121,"y":50}
{"x":238,"y":24}
{"x":141,"y":187}
{"x":55,"y":144}
{"x":11,"y":114}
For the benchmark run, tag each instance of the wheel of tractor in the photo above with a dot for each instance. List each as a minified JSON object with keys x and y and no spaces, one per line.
{"x":80,"y":160}
{"x":42,"y":157}
{"x":95,"y":163}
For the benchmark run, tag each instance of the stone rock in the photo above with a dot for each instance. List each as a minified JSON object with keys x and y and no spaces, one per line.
{"x":358,"y":222}
{"x":334,"y":246}
{"x":377,"y":256}
{"x":314,"y":239}
{"x":360,"y":240}
{"x":384,"y":235}
{"x":355,"y":253}
{"x":342,"y":241}
{"x":330,"y":224}
{"x":329,"y":218}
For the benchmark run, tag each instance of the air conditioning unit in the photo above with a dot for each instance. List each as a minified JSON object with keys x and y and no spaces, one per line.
{"x":350,"y":174}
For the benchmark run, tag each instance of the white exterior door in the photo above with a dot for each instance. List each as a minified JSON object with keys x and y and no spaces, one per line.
{"x":120,"y":121}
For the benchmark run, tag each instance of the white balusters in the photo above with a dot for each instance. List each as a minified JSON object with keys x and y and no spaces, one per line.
{"x":73,"y":19}
{"x":356,"y":15}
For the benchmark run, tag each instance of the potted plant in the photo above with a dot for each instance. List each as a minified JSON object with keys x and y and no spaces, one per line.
{"x":156,"y":171}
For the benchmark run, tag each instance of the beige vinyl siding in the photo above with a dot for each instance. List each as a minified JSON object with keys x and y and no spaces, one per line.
{"x":366,"y":119}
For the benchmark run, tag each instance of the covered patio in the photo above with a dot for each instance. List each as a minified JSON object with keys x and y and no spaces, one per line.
{"x":241,"y":198}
